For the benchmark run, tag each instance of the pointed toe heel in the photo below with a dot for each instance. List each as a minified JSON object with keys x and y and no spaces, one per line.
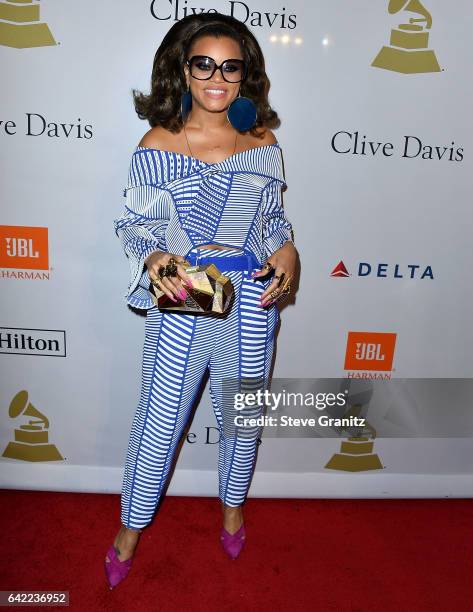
{"x":233,"y":543}
{"x":116,"y":570}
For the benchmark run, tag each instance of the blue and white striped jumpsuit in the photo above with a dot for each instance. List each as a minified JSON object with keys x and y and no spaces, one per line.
{"x":174,"y":203}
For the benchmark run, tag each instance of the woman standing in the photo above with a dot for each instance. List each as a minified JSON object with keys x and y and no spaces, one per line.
{"x":204,"y":187}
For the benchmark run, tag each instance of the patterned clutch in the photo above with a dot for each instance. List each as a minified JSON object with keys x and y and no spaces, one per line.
{"x":212,"y":291}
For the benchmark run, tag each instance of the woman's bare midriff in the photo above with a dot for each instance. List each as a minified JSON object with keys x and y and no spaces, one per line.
{"x":216,"y":246}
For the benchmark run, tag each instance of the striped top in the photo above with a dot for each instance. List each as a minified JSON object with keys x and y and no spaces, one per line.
{"x":175,"y":202}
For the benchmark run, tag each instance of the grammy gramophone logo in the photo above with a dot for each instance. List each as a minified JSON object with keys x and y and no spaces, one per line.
{"x":409,"y":51}
{"x":32,"y":437}
{"x":20,"y":25}
{"x":356,"y":453}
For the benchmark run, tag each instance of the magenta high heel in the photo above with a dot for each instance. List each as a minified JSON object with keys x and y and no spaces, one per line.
{"x":117,"y":570}
{"x":233,"y":543}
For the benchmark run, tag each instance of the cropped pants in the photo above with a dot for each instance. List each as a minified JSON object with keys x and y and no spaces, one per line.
{"x":178,"y":349}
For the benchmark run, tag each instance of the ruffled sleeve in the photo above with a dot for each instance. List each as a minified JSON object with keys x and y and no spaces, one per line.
{"x":141,"y":229}
{"x":277,"y":228}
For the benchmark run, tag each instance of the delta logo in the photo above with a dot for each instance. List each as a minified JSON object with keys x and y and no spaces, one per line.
{"x":24,"y":252}
{"x":370,"y":355}
{"x":384,"y":270}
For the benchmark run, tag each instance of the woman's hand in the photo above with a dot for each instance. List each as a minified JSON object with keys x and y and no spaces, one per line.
{"x":284,"y":262}
{"x":171,"y":285}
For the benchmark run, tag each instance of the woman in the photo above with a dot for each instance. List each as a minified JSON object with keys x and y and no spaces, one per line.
{"x":204,"y":186}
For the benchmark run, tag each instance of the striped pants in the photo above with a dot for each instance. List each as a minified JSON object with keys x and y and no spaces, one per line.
{"x":178,"y":349}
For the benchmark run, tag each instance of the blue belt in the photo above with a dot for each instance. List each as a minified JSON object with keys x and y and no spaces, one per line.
{"x":225,"y":263}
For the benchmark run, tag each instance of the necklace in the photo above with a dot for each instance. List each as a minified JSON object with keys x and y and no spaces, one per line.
{"x":190,"y":150}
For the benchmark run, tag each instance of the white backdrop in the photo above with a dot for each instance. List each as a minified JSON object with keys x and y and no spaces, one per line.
{"x":394,"y":208}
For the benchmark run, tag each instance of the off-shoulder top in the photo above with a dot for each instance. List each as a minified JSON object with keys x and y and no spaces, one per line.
{"x":175,"y":202}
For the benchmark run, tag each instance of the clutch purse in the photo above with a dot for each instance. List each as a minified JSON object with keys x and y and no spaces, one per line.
{"x":212,"y":291}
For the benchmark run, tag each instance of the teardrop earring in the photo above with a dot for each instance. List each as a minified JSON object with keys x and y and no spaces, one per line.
{"x":242,"y":113}
{"x":186,"y":104}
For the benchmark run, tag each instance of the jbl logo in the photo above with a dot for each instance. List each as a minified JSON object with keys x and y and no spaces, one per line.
{"x":23,"y":247}
{"x":370,"y":351}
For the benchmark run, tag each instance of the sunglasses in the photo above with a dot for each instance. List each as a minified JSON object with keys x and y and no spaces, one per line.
{"x":203,"y":68}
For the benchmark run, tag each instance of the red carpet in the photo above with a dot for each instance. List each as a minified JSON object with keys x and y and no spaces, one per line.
{"x":340,"y":555}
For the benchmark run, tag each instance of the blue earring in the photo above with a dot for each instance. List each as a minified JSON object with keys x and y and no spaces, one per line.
{"x":186,"y":104}
{"x":242,"y":114}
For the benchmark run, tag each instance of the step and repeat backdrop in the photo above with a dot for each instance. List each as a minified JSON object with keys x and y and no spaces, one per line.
{"x":375,"y":103}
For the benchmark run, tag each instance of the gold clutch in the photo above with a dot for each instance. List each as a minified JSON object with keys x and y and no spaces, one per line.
{"x":212,"y":291}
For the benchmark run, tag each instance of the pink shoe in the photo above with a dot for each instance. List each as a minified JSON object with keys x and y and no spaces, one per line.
{"x":233,"y":543}
{"x":115,"y":569}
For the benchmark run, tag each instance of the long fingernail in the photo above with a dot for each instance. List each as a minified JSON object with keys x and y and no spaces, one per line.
{"x":182,"y":294}
{"x":189,"y":284}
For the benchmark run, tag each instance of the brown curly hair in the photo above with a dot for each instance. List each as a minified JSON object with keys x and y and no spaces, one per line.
{"x":163,"y":105}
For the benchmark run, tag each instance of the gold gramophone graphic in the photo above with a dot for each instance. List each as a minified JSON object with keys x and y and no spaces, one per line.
{"x":32,"y":439}
{"x":20,"y":26}
{"x":356,"y":453}
{"x":409,"y":52}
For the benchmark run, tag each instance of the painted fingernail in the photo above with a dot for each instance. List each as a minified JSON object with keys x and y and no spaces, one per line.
{"x":189,"y":284}
{"x":182,"y":294}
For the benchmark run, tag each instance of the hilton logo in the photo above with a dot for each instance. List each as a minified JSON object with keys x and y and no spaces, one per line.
{"x":46,"y":342}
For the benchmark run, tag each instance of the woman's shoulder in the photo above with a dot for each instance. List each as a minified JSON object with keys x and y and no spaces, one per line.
{"x":164,"y":140}
{"x":154,"y":148}
{"x":264,"y":137}
{"x":271,"y":156}
{"x":158,"y":138}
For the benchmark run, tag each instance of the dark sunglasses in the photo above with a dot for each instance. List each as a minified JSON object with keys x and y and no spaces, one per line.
{"x":203,"y":68}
